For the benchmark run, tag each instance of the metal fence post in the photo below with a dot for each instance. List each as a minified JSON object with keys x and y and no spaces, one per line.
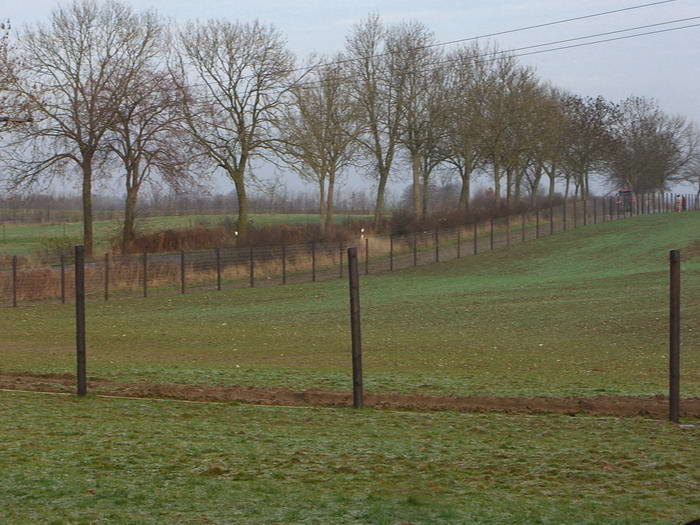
{"x":522,"y":224}
{"x":415,"y":249}
{"x":391,"y":253}
{"x":675,"y":335}
{"x":595,"y":211}
{"x":182,"y":271}
{"x":585,"y":212}
{"x":356,"y":333}
{"x":145,"y":274}
{"x":437,"y":245}
{"x":459,"y":243}
{"x":284,"y":264}
{"x":564,"y":215}
{"x":476,"y":239}
{"x":252,"y":267}
{"x":313,"y":262}
{"x":537,"y":223}
{"x":217,"y":256}
{"x":340,"y":260}
{"x":551,"y":220}
{"x":63,"y":279}
{"x":80,"y":319}
{"x":14,"y":281}
{"x":492,"y":233}
{"x":106,"y":277}
{"x":366,"y":255}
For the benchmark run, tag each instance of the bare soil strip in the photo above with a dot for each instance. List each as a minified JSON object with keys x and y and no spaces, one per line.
{"x":648,"y":406}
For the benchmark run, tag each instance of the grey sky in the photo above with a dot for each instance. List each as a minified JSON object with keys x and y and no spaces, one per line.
{"x":664,"y":66}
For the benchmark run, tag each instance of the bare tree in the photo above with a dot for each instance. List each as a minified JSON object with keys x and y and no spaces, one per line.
{"x":147,"y":140}
{"x":651,"y":148}
{"x":75,"y":71}
{"x":379,"y":74}
{"x":238,"y":75}
{"x":319,"y":131}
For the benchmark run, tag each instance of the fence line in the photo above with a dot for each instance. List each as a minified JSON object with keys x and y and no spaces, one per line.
{"x":234,"y":267}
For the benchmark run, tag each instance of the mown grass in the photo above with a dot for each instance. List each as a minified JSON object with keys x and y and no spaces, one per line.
{"x":25,"y":239}
{"x":580,"y":313}
{"x":67,"y":460}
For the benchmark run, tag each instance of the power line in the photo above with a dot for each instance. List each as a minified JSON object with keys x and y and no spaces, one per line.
{"x":498,"y":33}
{"x":505,"y":54}
{"x":308,"y":69}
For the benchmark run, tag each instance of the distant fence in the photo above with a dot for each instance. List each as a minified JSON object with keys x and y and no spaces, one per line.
{"x":109,"y":276}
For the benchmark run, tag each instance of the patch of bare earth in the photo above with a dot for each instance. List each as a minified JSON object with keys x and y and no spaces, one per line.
{"x":649,"y":406}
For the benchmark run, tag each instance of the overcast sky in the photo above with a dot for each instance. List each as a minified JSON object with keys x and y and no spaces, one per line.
{"x":665,"y":66}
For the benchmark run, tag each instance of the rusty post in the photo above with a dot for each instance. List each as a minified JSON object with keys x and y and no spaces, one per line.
{"x":251,"y":262}
{"x":80,"y":319}
{"x":106,"y":277}
{"x":182,"y":271}
{"x":366,"y":255}
{"x":14,"y":281}
{"x":63,"y":279}
{"x":145,"y":274}
{"x":355,"y":327}
{"x":415,"y":249}
{"x":340,"y":260}
{"x":313,"y":262}
{"x":391,"y":253}
{"x":437,"y":246}
{"x":551,"y":220}
{"x":675,"y":335}
{"x":217,"y":255}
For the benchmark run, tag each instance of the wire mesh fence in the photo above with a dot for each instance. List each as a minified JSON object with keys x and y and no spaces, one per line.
{"x":112,"y":276}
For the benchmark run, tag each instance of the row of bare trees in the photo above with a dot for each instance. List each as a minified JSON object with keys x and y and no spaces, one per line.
{"x":115,"y":91}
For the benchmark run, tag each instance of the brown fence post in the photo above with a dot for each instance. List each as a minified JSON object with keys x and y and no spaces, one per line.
{"x":356,"y":333}
{"x":14,"y":281}
{"x":437,"y":245}
{"x":80,"y":319}
{"x":537,"y":223}
{"x":63,"y":279}
{"x":459,"y":243}
{"x":415,"y":249}
{"x":252,"y":267}
{"x":313,"y":262}
{"x":476,"y":238}
{"x":675,"y":335}
{"x":492,"y":233}
{"x":551,"y":220}
{"x":284,"y":264}
{"x":522,"y":224}
{"x":595,"y":211}
{"x":575,"y":213}
{"x":585,"y":212}
{"x":182,"y":271}
{"x":564,"y":215}
{"x":366,"y":255}
{"x":391,"y":253}
{"x":145,"y":274}
{"x":106,"y":277}
{"x":217,"y":256}
{"x":340,"y":260}
{"x":507,"y":230}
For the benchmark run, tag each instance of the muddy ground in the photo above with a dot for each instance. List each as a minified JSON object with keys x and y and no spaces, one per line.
{"x":648,"y":406}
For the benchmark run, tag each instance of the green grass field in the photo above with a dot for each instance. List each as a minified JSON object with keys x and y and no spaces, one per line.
{"x":580,"y":313}
{"x":25,"y":239}
{"x":71,"y":461}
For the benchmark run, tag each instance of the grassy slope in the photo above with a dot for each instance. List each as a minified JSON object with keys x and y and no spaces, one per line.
{"x":578,"y":313}
{"x":25,"y":239}
{"x":95,"y":460}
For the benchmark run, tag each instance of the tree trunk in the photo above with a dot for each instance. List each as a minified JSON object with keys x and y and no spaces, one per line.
{"x":242,"y":206}
{"x":322,"y":205}
{"x":466,"y":190}
{"x":128,"y":233}
{"x":87,"y":205}
{"x":416,"y":194}
{"x":379,"y":204}
{"x":329,"y":201}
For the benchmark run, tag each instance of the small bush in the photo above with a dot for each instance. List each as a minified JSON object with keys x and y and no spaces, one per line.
{"x":53,"y":247}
